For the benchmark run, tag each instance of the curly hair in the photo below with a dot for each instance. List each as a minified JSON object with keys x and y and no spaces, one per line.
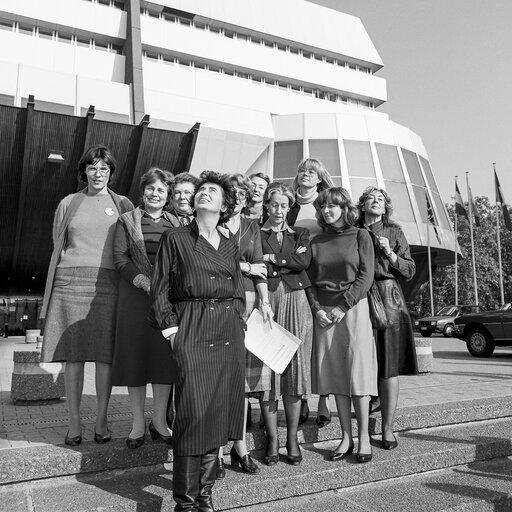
{"x":340,"y":197}
{"x":388,"y":206}
{"x":153,"y":174}
{"x":228,"y":191}
{"x":91,"y":156}
{"x":280,"y":188}
{"x":312,"y":163}
{"x":243,"y":182}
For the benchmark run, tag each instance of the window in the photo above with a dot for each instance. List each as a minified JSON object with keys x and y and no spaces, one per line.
{"x":306,"y":54}
{"x":6,"y":25}
{"x":229,"y":33}
{"x":85,"y":43}
{"x":25,"y":29}
{"x":114,"y":48}
{"x":101,"y":46}
{"x":287,"y":155}
{"x":242,"y":37}
{"x":399,"y":194}
{"x":413,"y":168}
{"x":357,"y":186}
{"x":64,"y":38}
{"x":359,"y":158}
{"x":45,"y":33}
{"x":327,"y":151}
{"x":390,"y":162}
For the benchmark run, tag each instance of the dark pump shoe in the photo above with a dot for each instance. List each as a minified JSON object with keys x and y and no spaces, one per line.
{"x":364,"y":457}
{"x":323,"y":421}
{"x":304,"y":412}
{"x":245,"y":463}
{"x":136,"y":442}
{"x":294,"y":460}
{"x":220,"y":472}
{"x":156,"y":435}
{"x":73,"y":441}
{"x":102,"y":439}
{"x":389,"y":445}
{"x":336,"y":456}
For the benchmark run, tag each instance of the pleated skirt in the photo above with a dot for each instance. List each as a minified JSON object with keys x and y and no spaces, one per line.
{"x":258,"y":376}
{"x":344,"y":359}
{"x":396,"y":350}
{"x":291,"y":311}
{"x":141,"y":354}
{"x":81,"y":316}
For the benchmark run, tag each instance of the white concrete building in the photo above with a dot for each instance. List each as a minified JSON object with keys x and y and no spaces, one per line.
{"x":269,"y":81}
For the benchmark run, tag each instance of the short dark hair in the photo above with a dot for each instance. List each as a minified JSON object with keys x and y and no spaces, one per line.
{"x":153,"y":174}
{"x":228,"y":191}
{"x":91,"y":156}
{"x":340,"y":197}
{"x":281,"y":188}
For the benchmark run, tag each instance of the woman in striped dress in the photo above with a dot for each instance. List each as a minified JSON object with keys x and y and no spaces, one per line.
{"x":199,"y":303}
{"x":140,"y":357}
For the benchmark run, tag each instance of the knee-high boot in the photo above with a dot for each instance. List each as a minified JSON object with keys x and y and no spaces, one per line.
{"x":185,"y":482}
{"x":207,"y":474}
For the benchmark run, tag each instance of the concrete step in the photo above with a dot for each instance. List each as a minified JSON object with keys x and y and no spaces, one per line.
{"x":48,"y":461}
{"x":419,"y":451}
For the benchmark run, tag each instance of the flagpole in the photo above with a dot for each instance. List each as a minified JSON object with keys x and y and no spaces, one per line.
{"x":502,"y":292}
{"x":430,"y":272}
{"x":455,"y":251}
{"x":472,"y":241}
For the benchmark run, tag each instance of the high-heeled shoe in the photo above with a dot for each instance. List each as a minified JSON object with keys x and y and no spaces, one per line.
{"x":245,"y":463}
{"x":102,"y":438}
{"x":336,"y":456}
{"x":364,"y":457}
{"x":136,"y":442}
{"x":390,"y":445}
{"x":220,"y":472}
{"x":322,"y":421}
{"x":293,"y":460}
{"x":304,"y":412}
{"x":156,"y":435}
{"x":73,"y":441}
{"x":271,"y":460}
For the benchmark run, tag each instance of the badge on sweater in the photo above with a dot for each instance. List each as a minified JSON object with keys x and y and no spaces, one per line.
{"x":109,"y":211}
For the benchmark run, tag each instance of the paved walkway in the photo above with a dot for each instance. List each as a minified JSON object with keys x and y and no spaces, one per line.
{"x":456,"y":376}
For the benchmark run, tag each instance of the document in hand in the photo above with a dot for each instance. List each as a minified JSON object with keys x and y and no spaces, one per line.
{"x":274,"y":346}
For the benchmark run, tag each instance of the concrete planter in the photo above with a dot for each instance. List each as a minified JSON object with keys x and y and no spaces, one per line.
{"x":31,"y":335}
{"x":424,"y":356}
{"x":33,"y":380}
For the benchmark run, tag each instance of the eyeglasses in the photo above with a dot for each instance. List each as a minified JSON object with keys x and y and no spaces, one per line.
{"x":241,"y":194}
{"x":91,"y":170}
{"x":310,"y":172}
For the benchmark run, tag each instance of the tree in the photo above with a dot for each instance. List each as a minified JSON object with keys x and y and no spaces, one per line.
{"x":486,"y":258}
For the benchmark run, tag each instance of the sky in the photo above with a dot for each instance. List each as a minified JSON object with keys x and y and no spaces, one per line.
{"x":448,"y":67}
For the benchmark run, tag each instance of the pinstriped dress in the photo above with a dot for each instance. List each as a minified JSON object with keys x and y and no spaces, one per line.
{"x":209,"y":346}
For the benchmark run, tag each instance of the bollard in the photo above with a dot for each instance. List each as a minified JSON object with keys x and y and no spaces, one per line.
{"x":34,"y":380}
{"x":424,"y":356}
{"x":31,"y":335}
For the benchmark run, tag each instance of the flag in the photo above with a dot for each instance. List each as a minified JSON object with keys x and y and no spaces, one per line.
{"x":500,"y":199}
{"x":430,"y":216}
{"x":474,"y":209}
{"x":460,"y":209}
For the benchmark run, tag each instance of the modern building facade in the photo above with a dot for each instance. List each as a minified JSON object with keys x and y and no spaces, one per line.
{"x":269,"y":82}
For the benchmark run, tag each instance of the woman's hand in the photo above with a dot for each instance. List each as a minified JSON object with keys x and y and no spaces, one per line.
{"x":266,"y":312}
{"x":258,"y":270}
{"x":300,"y":249}
{"x":336,"y":315}
{"x":323,"y":318}
{"x":384,"y":245}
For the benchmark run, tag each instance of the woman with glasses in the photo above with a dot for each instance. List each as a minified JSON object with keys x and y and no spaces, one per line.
{"x":140,"y":357}
{"x":312,"y":177}
{"x":80,"y":297}
{"x":248,"y":237}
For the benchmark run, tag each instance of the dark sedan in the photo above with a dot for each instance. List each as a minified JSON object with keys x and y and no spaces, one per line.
{"x":443,"y":321}
{"x":483,"y":332}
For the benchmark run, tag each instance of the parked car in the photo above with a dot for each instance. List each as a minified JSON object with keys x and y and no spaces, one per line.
{"x":483,"y":332}
{"x":443,"y":322}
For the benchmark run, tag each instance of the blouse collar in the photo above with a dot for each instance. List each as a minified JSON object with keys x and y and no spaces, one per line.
{"x":268,"y":227}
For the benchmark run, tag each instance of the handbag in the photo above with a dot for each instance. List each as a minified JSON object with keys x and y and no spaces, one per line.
{"x":378,"y":315}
